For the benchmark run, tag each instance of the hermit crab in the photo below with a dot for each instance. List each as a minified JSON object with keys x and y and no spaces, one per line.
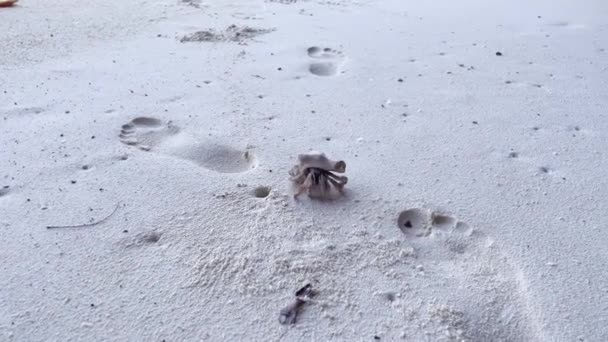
{"x":315,"y":175}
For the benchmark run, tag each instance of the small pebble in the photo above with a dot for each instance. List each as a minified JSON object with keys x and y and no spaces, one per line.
{"x":498,"y":53}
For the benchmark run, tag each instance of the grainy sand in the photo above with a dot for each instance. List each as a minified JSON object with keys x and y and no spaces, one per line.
{"x":474,"y":135}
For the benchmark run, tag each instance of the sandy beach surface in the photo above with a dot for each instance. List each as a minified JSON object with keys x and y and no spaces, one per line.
{"x":145,"y":149}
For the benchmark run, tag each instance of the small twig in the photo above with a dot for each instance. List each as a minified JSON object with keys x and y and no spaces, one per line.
{"x":88,"y":224}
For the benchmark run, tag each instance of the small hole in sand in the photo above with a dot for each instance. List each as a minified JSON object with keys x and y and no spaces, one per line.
{"x":389,"y":296}
{"x":261,"y":191}
{"x":414,"y":221}
{"x":151,"y":237}
{"x":544,"y":169}
{"x":85,"y":167}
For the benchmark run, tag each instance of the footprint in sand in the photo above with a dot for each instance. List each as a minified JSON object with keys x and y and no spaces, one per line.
{"x":327,"y":61}
{"x":144,"y":132}
{"x":152,"y":134}
{"x":463,"y":258}
{"x":416,"y":223}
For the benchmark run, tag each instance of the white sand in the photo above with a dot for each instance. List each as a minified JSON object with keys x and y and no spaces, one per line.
{"x":510,"y":149}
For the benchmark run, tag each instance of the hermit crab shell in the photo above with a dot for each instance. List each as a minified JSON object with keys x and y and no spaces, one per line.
{"x":320,"y":161}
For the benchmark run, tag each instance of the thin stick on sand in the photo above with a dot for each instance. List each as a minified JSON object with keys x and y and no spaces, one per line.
{"x":88,"y":224}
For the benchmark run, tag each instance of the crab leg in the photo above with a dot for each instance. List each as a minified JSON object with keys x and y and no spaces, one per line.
{"x":339,"y":186}
{"x":305,"y":185}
